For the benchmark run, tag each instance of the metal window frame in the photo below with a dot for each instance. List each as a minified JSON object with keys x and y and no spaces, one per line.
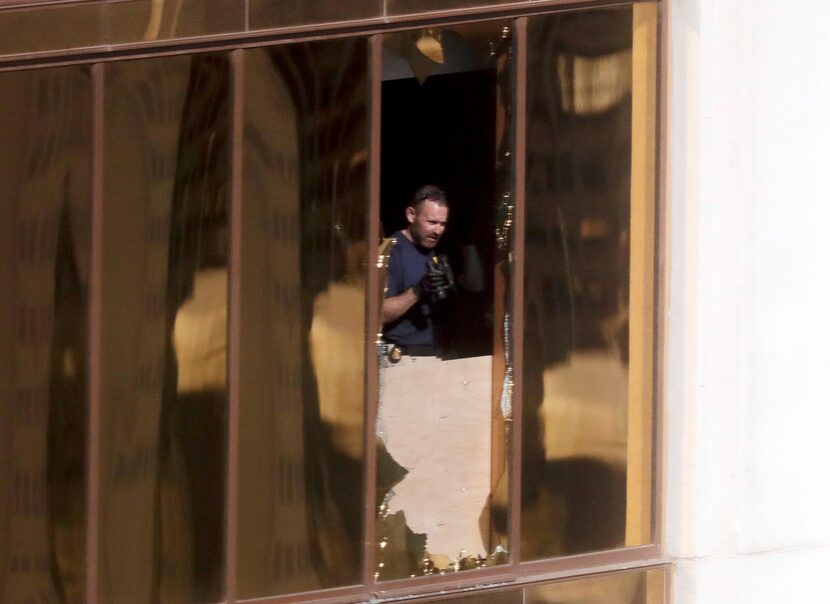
{"x":512,"y":575}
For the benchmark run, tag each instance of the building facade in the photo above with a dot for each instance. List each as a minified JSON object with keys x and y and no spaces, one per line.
{"x":198,"y":404}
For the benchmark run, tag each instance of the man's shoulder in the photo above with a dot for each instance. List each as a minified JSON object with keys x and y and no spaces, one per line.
{"x":401,"y":244}
{"x":396,"y":251}
{"x":400,"y":239}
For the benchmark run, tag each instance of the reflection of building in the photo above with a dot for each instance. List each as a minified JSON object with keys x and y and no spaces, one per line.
{"x":742,"y":340}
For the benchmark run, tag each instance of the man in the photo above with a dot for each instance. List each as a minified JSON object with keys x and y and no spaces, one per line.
{"x":418,"y":281}
{"x":434,"y":412}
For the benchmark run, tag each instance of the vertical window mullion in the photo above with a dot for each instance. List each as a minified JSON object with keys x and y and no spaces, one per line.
{"x":373,"y":288}
{"x":517,"y":285}
{"x":234,"y":321}
{"x":660,"y":277}
{"x":95,"y":350}
{"x":640,"y":473}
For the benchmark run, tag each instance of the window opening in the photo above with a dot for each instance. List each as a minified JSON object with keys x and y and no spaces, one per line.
{"x":442,"y":489}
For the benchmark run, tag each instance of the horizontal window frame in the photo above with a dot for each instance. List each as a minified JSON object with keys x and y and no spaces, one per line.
{"x":292,"y":34}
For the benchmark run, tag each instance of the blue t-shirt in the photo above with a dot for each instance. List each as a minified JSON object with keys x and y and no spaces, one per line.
{"x":407,"y":266}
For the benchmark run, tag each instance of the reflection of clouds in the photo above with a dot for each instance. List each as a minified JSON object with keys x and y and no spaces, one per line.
{"x":584,"y":409}
{"x":200,"y":334}
{"x":337,"y":337}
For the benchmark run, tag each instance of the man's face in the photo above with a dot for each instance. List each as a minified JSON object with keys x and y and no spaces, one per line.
{"x":427,"y":223}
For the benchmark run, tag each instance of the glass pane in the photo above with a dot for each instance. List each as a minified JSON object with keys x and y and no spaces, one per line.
{"x":633,"y":587}
{"x":97,"y":23}
{"x":271,"y":13}
{"x":444,"y":405}
{"x":33,"y":29}
{"x":303,"y":317}
{"x":44,"y":276}
{"x":588,"y":293}
{"x":499,"y":597}
{"x":400,"y":7}
{"x":148,"y":20}
{"x":164,"y":329}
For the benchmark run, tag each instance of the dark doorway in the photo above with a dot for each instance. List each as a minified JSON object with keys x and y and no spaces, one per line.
{"x":443,"y":132}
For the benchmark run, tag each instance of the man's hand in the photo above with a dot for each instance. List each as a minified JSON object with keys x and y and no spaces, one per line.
{"x":438,"y":283}
{"x":432,"y":282}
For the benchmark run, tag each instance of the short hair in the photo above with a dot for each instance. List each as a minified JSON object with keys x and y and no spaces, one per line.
{"x":431,"y":193}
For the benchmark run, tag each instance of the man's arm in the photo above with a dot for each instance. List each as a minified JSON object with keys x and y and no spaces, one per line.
{"x":395,"y":307}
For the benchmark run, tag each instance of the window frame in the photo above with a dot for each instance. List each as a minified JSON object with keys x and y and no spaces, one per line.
{"x":515,"y":573}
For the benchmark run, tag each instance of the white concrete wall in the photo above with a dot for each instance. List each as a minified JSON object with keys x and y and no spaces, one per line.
{"x":748,"y":338}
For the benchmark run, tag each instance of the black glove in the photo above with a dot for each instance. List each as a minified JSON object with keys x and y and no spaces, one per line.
{"x":438,"y":283}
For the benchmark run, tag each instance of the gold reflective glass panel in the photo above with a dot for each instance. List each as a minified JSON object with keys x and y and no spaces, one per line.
{"x":45,"y":167}
{"x":302,"y":316}
{"x":401,"y":7}
{"x":273,"y":13}
{"x":151,"y":20}
{"x":55,"y":27}
{"x":513,"y":596}
{"x":630,"y":587}
{"x":589,"y":281}
{"x":51,"y":27}
{"x":445,"y":374}
{"x":164,"y":329}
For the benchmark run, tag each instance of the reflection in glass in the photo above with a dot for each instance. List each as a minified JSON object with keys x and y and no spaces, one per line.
{"x":402,"y":7}
{"x":164,"y":329}
{"x":267,"y":13}
{"x":589,"y":251}
{"x":148,"y":20}
{"x":45,"y":155}
{"x":98,"y":23}
{"x":500,"y":597}
{"x":443,"y":411}
{"x":632,"y":587}
{"x":73,"y":26}
{"x":302,"y":317}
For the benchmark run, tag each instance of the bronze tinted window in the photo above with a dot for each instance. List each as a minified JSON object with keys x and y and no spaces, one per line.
{"x":164,"y":328}
{"x":201,"y":399}
{"x":45,"y":210}
{"x":588,"y":282}
{"x":302,"y":314}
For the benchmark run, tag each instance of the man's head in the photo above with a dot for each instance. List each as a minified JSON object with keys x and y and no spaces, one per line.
{"x":427,"y":216}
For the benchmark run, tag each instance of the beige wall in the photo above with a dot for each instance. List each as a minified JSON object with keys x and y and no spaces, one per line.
{"x":747,"y":354}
